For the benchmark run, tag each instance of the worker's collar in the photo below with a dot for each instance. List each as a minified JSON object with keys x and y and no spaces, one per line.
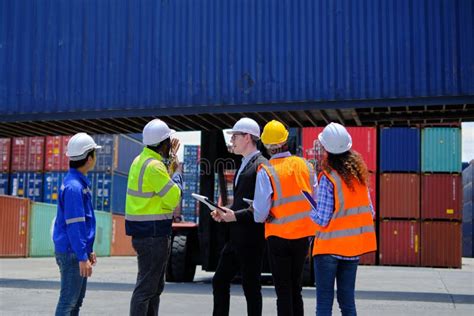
{"x":281,"y":155}
{"x":76,"y":173}
{"x":152,"y":153}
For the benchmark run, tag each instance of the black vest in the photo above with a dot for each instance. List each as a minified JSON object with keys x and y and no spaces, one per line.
{"x":245,"y":231}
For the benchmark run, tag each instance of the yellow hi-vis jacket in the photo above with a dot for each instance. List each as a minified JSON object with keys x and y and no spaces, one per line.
{"x":151,"y":197}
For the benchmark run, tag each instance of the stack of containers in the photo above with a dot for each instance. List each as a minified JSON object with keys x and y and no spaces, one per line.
{"x":399,"y":206}
{"x":26,"y":179}
{"x":467,"y":223}
{"x":441,"y":197}
{"x":364,"y":141}
{"x":189,"y":206}
{"x":110,"y":176}
{"x":14,"y":218}
{"x":56,"y":165}
{"x":5,"y":154}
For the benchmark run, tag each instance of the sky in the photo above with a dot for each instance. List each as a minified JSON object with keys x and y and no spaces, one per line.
{"x":194,"y":138}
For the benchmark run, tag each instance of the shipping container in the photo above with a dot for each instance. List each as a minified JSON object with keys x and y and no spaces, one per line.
{"x":119,"y":193}
{"x":309,"y":135}
{"x":54,"y":152}
{"x":441,"y":196}
{"x":18,"y":184}
{"x":19,"y":159}
{"x":400,"y":149}
{"x":468,"y":173}
{"x":126,"y":149}
{"x":35,"y":154}
{"x":103,"y":233}
{"x":441,"y":244}
{"x":52,"y":183}
{"x":4,"y":188}
{"x":65,"y":159}
{"x":121,"y":243}
{"x":364,"y":141}
{"x":109,"y":191}
{"x":373,"y":190}
{"x":399,"y":243}
{"x":399,"y":196}
{"x":102,"y":191}
{"x":467,"y":230}
{"x":5,"y":154}
{"x":403,"y":52}
{"x":34,"y":186}
{"x":14,"y":218}
{"x":368,"y":259}
{"x":42,"y":220}
{"x":104,"y":155}
{"x":441,"y":149}
{"x":294,"y":141}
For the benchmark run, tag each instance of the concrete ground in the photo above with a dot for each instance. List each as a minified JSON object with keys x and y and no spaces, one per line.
{"x":30,"y":287}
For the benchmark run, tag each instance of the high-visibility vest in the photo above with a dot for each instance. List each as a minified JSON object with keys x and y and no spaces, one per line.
{"x":289,"y":214}
{"x":151,"y":194}
{"x":350,"y":231}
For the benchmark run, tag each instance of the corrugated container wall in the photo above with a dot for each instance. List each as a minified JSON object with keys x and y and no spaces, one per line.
{"x":4,"y":188}
{"x":441,"y":244}
{"x":19,"y":154}
{"x":27,"y":184}
{"x":14,"y":217}
{"x":166,"y":54}
{"x":364,"y":141}
{"x":467,"y":222}
{"x":41,"y":228}
{"x":121,"y":243}
{"x":103,"y":233}
{"x":65,"y":159}
{"x":35,"y":153}
{"x":441,"y":149}
{"x":400,"y":149}
{"x":5,"y":154}
{"x":125,"y":151}
{"x":119,"y":193}
{"x":55,"y":152}
{"x":399,"y":196}
{"x":51,"y":185}
{"x":441,"y":196}
{"x":399,"y":243}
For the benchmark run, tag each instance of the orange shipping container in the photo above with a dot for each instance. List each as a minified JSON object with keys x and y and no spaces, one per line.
{"x":14,"y":218}
{"x":121,"y":243}
{"x":441,"y":196}
{"x":399,"y":196}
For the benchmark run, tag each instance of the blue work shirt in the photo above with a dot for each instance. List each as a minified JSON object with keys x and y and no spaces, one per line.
{"x":74,"y":229}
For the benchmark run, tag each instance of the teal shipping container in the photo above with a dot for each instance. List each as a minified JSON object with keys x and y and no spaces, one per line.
{"x":41,"y":228}
{"x":103,"y":233}
{"x":441,"y":149}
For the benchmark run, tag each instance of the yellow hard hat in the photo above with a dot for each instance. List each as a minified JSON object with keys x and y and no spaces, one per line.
{"x":274,"y":133}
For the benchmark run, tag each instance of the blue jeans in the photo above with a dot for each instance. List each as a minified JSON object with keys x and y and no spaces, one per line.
{"x":73,"y":286}
{"x":328,"y":269}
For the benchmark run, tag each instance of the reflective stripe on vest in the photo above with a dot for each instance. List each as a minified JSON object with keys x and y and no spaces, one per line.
{"x":140,"y":192}
{"x":345,"y":232}
{"x":145,"y":218}
{"x":289,"y":219}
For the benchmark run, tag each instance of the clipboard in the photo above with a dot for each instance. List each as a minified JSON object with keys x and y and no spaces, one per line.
{"x":204,"y":199}
{"x":310,"y":199}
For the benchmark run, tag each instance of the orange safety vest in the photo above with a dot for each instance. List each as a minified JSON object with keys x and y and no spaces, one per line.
{"x":351,"y":230}
{"x":289,"y":213}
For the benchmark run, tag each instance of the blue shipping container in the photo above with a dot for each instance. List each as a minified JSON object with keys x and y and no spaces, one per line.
{"x":52,"y":184}
{"x":27,"y":184}
{"x":4,"y":177}
{"x":119,"y":193}
{"x":400,"y":149}
{"x":105,"y":155}
{"x":125,"y":151}
{"x":103,"y":191}
{"x":93,"y":57}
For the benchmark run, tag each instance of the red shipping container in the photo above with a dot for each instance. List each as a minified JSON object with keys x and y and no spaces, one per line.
{"x":64,"y":158}
{"x":19,"y":154}
{"x":441,"y":196}
{"x":364,"y":141}
{"x":368,"y":259}
{"x":14,"y":219}
{"x":309,"y":135}
{"x":399,"y":243}
{"x":121,"y":244}
{"x":441,"y":244}
{"x":5,"y":153}
{"x":54,"y":153}
{"x":399,"y":195}
{"x":373,"y":190}
{"x":35,"y":153}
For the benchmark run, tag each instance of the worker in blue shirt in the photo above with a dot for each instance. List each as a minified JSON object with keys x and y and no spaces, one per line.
{"x":74,"y":228}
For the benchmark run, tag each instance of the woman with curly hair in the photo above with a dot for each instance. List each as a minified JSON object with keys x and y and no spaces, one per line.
{"x":344,"y":215}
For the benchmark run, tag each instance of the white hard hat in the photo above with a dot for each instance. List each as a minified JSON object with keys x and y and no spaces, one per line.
{"x":156,"y":131}
{"x":335,"y":139}
{"x":79,"y":145}
{"x":246,"y":125}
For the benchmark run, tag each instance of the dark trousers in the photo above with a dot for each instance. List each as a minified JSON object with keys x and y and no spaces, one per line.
{"x":328,"y":269}
{"x":152,"y":255}
{"x":247,"y":260}
{"x":286,"y":258}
